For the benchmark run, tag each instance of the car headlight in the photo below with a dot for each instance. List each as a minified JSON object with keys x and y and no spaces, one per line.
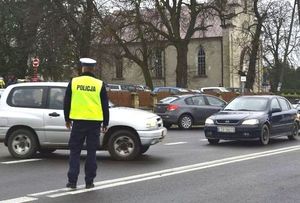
{"x":209,"y":121}
{"x":151,"y":123}
{"x":250,"y":122}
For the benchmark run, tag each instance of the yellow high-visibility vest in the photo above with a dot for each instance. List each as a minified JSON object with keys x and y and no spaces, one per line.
{"x":2,"y":84}
{"x":86,"y":101}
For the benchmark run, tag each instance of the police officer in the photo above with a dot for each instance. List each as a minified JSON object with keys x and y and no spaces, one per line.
{"x":85,"y":109}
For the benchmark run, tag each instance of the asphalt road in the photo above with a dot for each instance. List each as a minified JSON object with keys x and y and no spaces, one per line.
{"x":183,"y":168}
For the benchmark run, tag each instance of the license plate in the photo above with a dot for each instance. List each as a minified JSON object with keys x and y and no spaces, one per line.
{"x":226,"y":129}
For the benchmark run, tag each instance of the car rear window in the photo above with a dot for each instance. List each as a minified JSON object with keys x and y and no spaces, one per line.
{"x":214,"y":101}
{"x":168,"y":100}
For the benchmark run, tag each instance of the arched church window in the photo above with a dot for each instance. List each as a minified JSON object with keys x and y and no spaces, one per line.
{"x":157,"y":63}
{"x":119,"y":68}
{"x":201,"y":62}
{"x":245,"y":6}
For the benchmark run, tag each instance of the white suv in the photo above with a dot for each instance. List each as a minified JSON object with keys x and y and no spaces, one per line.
{"x":32,"y":119}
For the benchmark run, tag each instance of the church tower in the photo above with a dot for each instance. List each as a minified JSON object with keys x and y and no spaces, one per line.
{"x":236,"y":42}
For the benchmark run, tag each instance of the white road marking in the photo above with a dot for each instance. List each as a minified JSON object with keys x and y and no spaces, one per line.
{"x":49,"y":192}
{"x":174,"y":171}
{"x":175,"y":143}
{"x":203,"y":140}
{"x":19,"y":200}
{"x":159,"y":174}
{"x":20,"y":161}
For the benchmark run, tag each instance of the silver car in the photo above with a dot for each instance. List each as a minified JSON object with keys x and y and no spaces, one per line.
{"x":32,"y":119}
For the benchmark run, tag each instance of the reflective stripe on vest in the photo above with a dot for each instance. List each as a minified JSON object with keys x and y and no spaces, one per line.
{"x":86,"y":101}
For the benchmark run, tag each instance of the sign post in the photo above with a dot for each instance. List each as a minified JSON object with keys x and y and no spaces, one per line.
{"x":35,"y":65}
{"x":243,"y":80}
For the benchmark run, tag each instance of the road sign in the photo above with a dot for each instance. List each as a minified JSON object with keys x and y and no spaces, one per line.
{"x":35,"y":62}
{"x":243,"y":78}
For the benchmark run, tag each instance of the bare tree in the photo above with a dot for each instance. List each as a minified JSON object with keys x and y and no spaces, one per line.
{"x":287,"y":50}
{"x":298,"y":5}
{"x":260,"y":15}
{"x":79,"y":17}
{"x":126,"y":27}
{"x":55,"y":48}
{"x":19,"y":22}
{"x":281,"y":40}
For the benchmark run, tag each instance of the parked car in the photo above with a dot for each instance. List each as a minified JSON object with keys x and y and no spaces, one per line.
{"x":187,"y":110}
{"x":113,"y":87}
{"x":253,"y":118}
{"x":134,"y":88}
{"x":195,"y":91}
{"x":171,"y":90}
{"x":127,"y":87}
{"x":214,"y":89}
{"x":143,"y":88}
{"x":32,"y":119}
{"x":296,"y":103}
{"x":297,"y":107}
{"x":238,"y":90}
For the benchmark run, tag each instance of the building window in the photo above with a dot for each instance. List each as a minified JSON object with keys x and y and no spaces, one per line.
{"x":201,"y":62}
{"x":119,"y":68}
{"x":244,"y":60}
{"x":157,"y":63}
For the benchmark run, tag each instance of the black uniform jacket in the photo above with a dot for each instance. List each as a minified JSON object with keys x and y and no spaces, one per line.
{"x":103,"y":97}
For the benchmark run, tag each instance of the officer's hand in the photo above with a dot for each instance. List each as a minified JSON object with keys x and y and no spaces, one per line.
{"x":104,"y":129}
{"x":69,"y":124}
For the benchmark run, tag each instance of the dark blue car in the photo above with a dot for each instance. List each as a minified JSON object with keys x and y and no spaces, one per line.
{"x":253,"y":118}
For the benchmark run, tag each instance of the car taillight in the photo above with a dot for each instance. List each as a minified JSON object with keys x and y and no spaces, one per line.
{"x":172,"y":107}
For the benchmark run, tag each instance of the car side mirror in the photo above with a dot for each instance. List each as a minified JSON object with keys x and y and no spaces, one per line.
{"x":275,"y":110}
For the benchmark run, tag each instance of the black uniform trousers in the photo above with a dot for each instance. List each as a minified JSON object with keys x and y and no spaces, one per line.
{"x":82,"y":131}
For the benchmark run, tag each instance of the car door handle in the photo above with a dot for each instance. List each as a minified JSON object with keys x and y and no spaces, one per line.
{"x":54,"y":114}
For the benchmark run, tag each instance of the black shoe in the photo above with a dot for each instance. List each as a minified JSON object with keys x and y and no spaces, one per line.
{"x":71,"y":185}
{"x":89,"y":185}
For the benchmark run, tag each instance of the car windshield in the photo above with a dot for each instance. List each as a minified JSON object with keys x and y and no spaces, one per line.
{"x":168,"y":100}
{"x":247,"y":104}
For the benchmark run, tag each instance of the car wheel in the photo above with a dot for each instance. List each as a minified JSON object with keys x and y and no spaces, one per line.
{"x":213,"y":141}
{"x":265,"y":135}
{"x":124,"y":145}
{"x":47,"y":151}
{"x":144,"y":149}
{"x":185,"y":121}
{"x":22,"y":143}
{"x":167,"y":125}
{"x":295,"y":132}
